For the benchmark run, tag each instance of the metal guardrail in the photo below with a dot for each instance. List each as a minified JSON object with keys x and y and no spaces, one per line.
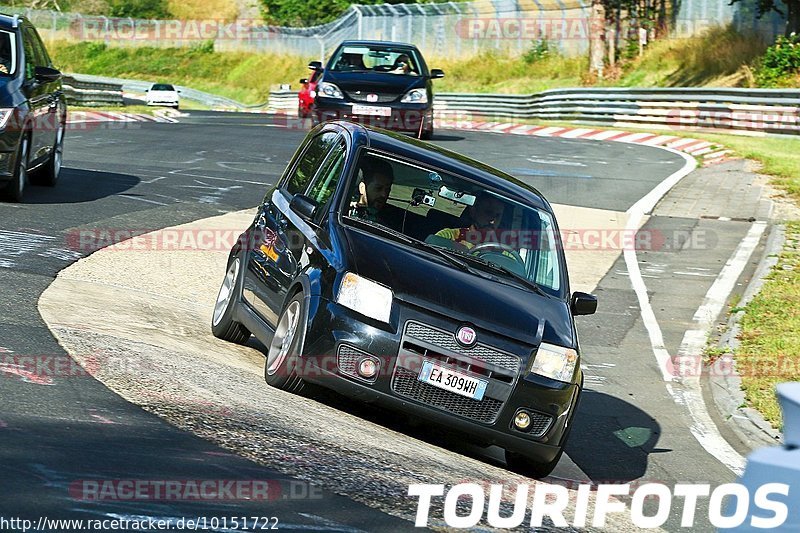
{"x":91,"y":94}
{"x":757,"y":110}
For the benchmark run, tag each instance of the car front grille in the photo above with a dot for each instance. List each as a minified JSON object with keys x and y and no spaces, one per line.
{"x":405,"y":382}
{"x":361,"y":96}
{"x":445,"y":339}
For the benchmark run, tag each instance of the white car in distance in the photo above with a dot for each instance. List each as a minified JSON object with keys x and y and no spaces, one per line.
{"x":163,"y":94}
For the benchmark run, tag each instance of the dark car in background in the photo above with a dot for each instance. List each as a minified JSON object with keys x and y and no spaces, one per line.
{"x":33,"y":110}
{"x":382,"y":84}
{"x":398,"y":272}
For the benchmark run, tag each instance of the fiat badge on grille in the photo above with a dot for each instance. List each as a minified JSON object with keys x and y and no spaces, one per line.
{"x":466,"y":336}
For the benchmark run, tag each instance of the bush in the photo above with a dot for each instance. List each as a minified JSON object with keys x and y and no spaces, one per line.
{"x":541,"y":49}
{"x":780,"y":61}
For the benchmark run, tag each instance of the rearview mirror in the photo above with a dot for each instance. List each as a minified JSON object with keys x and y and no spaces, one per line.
{"x":315,"y":65}
{"x":583,"y":303}
{"x":46,"y":74}
{"x":437,"y":73}
{"x":304,"y":206}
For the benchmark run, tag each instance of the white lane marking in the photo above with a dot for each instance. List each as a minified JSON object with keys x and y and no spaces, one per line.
{"x":690,"y":396}
{"x":693,"y":343}
{"x":146,"y":200}
{"x":699,"y":274}
{"x":556,"y":162}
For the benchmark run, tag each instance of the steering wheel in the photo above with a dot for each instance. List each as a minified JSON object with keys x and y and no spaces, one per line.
{"x":478,"y":249}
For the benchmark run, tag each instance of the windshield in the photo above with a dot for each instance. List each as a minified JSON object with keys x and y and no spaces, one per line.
{"x":8,"y":53}
{"x":489,"y":230}
{"x":162,"y":87}
{"x":377,"y":58}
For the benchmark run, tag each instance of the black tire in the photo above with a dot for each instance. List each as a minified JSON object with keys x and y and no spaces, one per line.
{"x":283,"y":357}
{"x":528,"y":467}
{"x":223,"y":325}
{"x":15,"y":189}
{"x":48,"y":174}
{"x":427,"y":135}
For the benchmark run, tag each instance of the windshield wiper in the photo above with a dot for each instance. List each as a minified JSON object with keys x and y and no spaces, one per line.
{"x":456,"y":262}
{"x":525,"y":281}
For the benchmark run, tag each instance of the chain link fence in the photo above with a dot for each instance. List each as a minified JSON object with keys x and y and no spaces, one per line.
{"x":452,"y":29}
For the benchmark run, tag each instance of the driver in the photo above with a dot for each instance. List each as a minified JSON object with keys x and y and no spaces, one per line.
{"x":373,"y":190}
{"x":485,"y":216}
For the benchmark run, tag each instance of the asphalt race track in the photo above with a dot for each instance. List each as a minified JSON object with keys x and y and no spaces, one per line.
{"x":56,"y":433}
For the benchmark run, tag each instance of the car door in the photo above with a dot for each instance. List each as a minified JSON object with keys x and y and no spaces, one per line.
{"x":277,"y":248}
{"x":39,"y":96}
{"x":53,"y":96}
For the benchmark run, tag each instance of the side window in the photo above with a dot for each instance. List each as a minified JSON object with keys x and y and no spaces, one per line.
{"x":312,"y":158}
{"x":328,"y":178}
{"x":30,"y":53}
{"x":42,"y":58}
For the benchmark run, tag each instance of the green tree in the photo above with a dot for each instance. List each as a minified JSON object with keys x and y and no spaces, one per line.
{"x":142,"y":9}
{"x":792,"y":12}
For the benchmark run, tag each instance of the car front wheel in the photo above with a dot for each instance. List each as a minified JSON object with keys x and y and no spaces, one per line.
{"x":48,"y":174}
{"x":283,"y":357}
{"x":16,"y":188}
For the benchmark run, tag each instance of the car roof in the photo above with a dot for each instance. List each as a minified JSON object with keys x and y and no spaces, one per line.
{"x":448,"y":161}
{"x":381,"y":43}
{"x":8,"y":22}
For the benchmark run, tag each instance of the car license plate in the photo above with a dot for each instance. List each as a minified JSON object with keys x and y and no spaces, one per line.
{"x":372,"y":110}
{"x":444,"y":378}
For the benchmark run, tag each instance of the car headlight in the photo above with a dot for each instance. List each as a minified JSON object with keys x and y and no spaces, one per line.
{"x":415,"y":96}
{"x":5,"y":114}
{"x":554,"y":362}
{"x":329,"y":90}
{"x":365,"y":296}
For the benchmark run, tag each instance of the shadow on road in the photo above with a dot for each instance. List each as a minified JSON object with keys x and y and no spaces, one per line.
{"x":612,"y":439}
{"x":77,"y":186}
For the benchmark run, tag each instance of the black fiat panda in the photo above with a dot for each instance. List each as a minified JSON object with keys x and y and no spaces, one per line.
{"x":398,"y":272}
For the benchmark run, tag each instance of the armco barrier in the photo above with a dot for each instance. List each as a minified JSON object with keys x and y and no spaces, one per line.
{"x":758,"y":110}
{"x":91,"y":94}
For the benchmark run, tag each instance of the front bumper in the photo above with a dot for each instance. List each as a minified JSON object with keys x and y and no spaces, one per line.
{"x":404,"y":117}
{"x":336,"y":335}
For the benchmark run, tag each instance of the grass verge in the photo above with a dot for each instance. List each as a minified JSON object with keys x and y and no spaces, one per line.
{"x":769,"y":352}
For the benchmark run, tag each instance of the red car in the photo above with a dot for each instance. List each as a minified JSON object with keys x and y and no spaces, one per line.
{"x":308,"y":91}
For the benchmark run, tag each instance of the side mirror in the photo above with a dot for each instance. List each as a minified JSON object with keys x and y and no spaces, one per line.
{"x":304,"y":206}
{"x":303,"y":81}
{"x":315,"y":65}
{"x":583,"y":304}
{"x":46,"y":74}
{"x":437,"y":73}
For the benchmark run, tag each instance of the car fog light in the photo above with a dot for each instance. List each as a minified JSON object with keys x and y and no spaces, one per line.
{"x":367,"y":368}
{"x":522,"y":420}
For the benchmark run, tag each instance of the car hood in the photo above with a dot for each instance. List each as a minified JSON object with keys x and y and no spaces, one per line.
{"x":163,"y":93}
{"x":425,"y":281}
{"x":378,"y":82}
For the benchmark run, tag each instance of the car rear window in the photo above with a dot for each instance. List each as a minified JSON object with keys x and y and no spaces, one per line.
{"x":162,"y":87}
{"x":8,"y":53}
{"x":479,"y":225}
